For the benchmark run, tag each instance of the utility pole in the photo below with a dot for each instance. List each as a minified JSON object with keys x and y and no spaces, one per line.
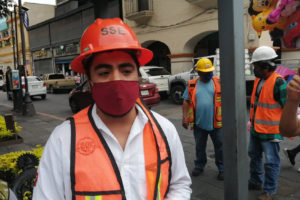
{"x":13,"y":40}
{"x":28,"y":108}
{"x":232,"y":60}
{"x":16,"y":31}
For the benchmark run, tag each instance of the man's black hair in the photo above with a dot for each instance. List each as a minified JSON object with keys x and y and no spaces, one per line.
{"x":87,"y":61}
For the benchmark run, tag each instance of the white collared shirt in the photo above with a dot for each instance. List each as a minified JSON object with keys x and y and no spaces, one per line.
{"x":54,"y":170}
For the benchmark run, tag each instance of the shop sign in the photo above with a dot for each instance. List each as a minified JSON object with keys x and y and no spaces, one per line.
{"x":40,"y":53}
{"x":66,"y":50}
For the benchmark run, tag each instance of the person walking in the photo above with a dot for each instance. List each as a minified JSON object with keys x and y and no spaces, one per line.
{"x":201,"y":111}
{"x":267,"y":100}
{"x":116,"y":148}
{"x":291,"y":154}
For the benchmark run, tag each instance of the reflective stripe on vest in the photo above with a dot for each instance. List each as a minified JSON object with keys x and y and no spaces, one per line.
{"x":192,"y":89}
{"x":101,"y":180}
{"x":268,"y":111}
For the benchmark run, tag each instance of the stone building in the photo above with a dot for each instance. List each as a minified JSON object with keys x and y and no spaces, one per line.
{"x":178,"y":30}
{"x":175,"y":30}
{"x":59,"y":37}
{"x":8,"y":39}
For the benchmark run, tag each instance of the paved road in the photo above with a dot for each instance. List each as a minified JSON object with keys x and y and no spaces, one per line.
{"x":55,"y":109}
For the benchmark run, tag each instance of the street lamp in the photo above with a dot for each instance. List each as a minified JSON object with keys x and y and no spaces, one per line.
{"x":28,"y":108}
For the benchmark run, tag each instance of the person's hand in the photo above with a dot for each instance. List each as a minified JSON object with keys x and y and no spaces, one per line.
{"x":185,"y":122}
{"x":293,"y":88}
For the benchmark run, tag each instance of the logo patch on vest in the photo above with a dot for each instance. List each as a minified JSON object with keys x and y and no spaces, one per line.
{"x":86,"y":146}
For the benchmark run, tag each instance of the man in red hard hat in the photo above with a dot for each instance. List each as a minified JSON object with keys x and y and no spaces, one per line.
{"x":116,"y":148}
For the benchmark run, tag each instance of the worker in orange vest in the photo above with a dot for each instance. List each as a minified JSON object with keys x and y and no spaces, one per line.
{"x":268,"y":99}
{"x":116,"y":148}
{"x":201,"y":111}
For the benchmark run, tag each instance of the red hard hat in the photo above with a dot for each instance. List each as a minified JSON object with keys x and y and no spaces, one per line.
{"x":106,"y":35}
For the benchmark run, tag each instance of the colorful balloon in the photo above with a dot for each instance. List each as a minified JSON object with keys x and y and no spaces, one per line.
{"x":291,"y":35}
{"x":284,"y":8}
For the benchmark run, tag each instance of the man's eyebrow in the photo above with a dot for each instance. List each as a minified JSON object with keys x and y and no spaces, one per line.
{"x":106,"y":66}
{"x":126,"y":65}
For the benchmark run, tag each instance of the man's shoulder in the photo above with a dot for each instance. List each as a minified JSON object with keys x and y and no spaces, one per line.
{"x":61,"y":131}
{"x":163,"y":121}
{"x":280,"y":81}
{"x":193,"y":81}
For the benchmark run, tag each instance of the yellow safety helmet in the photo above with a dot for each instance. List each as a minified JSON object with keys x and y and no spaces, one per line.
{"x":204,"y":65}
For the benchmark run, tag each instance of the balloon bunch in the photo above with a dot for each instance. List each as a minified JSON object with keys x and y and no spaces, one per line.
{"x":280,"y":17}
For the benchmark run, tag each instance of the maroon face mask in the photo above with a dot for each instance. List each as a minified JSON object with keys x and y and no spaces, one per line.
{"x":115,"y":98}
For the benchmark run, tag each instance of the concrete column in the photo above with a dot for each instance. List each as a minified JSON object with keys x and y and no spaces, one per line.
{"x":232,"y":62}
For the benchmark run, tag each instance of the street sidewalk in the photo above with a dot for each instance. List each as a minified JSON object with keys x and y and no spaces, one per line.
{"x":36,"y":130}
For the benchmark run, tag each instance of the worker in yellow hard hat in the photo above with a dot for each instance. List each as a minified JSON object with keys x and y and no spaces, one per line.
{"x":202,"y":113}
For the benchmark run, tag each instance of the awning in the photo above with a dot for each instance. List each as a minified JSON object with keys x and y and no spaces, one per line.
{"x":63,"y":61}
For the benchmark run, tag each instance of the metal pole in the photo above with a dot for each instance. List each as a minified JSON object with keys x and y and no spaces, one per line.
{"x":13,"y":40}
{"x":232,"y":60}
{"x":28,"y":108}
{"x":16,"y":30}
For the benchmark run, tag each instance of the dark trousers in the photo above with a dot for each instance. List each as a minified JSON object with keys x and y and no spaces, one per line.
{"x":201,"y":136}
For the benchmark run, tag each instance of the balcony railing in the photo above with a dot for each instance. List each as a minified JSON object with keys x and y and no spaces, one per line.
{"x":204,"y":3}
{"x":139,"y":11}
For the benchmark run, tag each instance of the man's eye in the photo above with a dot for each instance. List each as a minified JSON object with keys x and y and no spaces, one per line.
{"x":103,"y":73}
{"x":127,"y":71}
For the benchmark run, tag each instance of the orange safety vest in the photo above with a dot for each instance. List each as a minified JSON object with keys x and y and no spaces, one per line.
{"x":268,"y":110}
{"x":94,"y":172}
{"x":192,"y":89}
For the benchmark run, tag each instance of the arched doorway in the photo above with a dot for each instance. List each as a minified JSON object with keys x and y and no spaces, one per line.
{"x":160,"y":52}
{"x":207,"y":45}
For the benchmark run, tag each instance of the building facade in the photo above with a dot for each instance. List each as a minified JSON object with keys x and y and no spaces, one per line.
{"x":179,"y":30}
{"x":59,"y":37}
{"x":175,"y":30}
{"x":10,"y":40}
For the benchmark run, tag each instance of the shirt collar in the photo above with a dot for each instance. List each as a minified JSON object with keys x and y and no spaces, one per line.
{"x":137,"y":126}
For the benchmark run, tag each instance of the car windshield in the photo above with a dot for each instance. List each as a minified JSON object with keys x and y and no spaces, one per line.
{"x":56,"y":76}
{"x":157,"y":71}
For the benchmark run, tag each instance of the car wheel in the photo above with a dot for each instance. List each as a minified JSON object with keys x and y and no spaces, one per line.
{"x":176,"y":94}
{"x":51,"y":90}
{"x":73,"y":106}
{"x":43,"y":96}
{"x":163,"y":95}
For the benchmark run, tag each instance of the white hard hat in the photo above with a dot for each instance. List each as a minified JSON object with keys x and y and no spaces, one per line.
{"x":263,"y":53}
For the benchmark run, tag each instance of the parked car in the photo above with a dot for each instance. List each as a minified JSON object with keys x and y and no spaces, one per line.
{"x":57,"y":82}
{"x":36,"y":87}
{"x":81,"y":97}
{"x":157,"y":75}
